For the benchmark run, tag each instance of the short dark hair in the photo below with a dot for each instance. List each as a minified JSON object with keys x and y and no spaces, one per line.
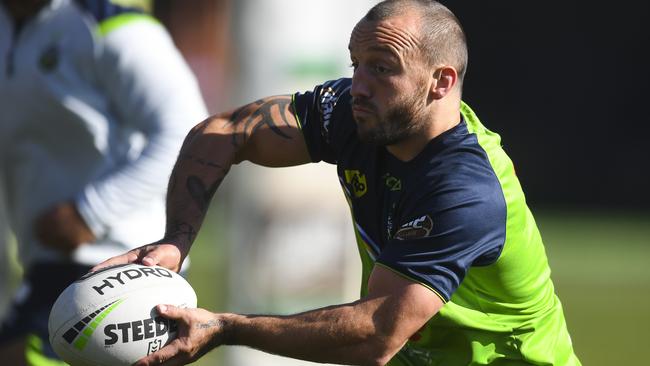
{"x":443,"y":38}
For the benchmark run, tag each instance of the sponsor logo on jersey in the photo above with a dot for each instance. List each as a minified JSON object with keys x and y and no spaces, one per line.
{"x":328,"y":100}
{"x":120,"y":278}
{"x":357,"y":181}
{"x":418,"y":228}
{"x":139,"y":330}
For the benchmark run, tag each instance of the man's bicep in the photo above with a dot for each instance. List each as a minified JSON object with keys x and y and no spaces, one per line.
{"x":266,"y":132}
{"x":409,"y":304}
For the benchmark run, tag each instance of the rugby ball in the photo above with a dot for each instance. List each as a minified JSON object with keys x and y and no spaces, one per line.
{"x":108,"y":317}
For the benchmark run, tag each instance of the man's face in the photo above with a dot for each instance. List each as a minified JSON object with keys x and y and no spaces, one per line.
{"x":389,"y":85}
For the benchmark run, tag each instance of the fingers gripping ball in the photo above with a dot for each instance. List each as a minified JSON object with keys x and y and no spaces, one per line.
{"x":108,"y":317}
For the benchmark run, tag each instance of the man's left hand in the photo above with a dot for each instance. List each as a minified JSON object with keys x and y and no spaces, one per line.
{"x":62,"y":228}
{"x":199,"y":331}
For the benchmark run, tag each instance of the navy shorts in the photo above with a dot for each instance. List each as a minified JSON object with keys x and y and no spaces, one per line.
{"x":30,"y":308}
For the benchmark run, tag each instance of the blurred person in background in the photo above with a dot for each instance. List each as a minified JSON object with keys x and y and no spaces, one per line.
{"x":95,"y":100}
{"x":454,"y":268}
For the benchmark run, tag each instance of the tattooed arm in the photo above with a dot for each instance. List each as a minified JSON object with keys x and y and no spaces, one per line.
{"x":369,"y":331}
{"x":264,"y":132}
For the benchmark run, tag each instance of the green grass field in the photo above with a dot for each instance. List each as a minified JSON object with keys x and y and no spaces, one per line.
{"x":601,"y":269}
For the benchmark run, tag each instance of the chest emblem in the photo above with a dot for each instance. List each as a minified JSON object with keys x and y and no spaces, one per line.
{"x":418,"y":228}
{"x":357,"y":181}
{"x":392,"y":183}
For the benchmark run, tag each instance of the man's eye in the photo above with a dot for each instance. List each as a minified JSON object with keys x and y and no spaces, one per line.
{"x":381,"y":69}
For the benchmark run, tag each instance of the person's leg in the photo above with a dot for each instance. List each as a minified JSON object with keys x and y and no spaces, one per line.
{"x":24,"y":338}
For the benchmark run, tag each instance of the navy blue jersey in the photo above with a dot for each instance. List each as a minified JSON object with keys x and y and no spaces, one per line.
{"x":455,"y":220}
{"x":429,"y":219}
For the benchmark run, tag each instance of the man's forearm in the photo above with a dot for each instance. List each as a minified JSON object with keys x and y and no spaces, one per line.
{"x":203,"y":162}
{"x":369,"y":331}
{"x":354,"y":334}
{"x":264,"y":132}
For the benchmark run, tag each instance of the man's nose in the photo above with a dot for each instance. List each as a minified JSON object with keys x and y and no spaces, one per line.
{"x":360,"y":87}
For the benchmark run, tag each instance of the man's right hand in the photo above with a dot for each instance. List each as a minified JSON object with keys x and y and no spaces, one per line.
{"x":164,"y":254}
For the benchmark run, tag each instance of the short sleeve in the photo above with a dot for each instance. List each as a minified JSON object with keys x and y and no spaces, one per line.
{"x":441,"y":234}
{"x":324,"y":117}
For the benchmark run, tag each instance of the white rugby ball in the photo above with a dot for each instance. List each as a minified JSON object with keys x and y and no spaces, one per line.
{"x":108,"y":317}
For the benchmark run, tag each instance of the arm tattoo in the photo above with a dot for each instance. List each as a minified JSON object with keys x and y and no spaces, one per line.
{"x":247,"y":124}
{"x":181,"y":229}
{"x":195,"y":186}
{"x":200,"y":161}
{"x":200,"y":194}
{"x":210,"y":324}
{"x":197,"y":130}
{"x":243,"y":123}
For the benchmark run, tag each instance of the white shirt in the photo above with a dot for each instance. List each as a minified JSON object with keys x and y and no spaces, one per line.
{"x":94,"y":117}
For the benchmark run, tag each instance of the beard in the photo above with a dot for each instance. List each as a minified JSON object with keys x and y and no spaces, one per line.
{"x":402,"y":120}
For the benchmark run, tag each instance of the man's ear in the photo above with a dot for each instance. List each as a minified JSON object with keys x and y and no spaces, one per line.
{"x":444,"y":80}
